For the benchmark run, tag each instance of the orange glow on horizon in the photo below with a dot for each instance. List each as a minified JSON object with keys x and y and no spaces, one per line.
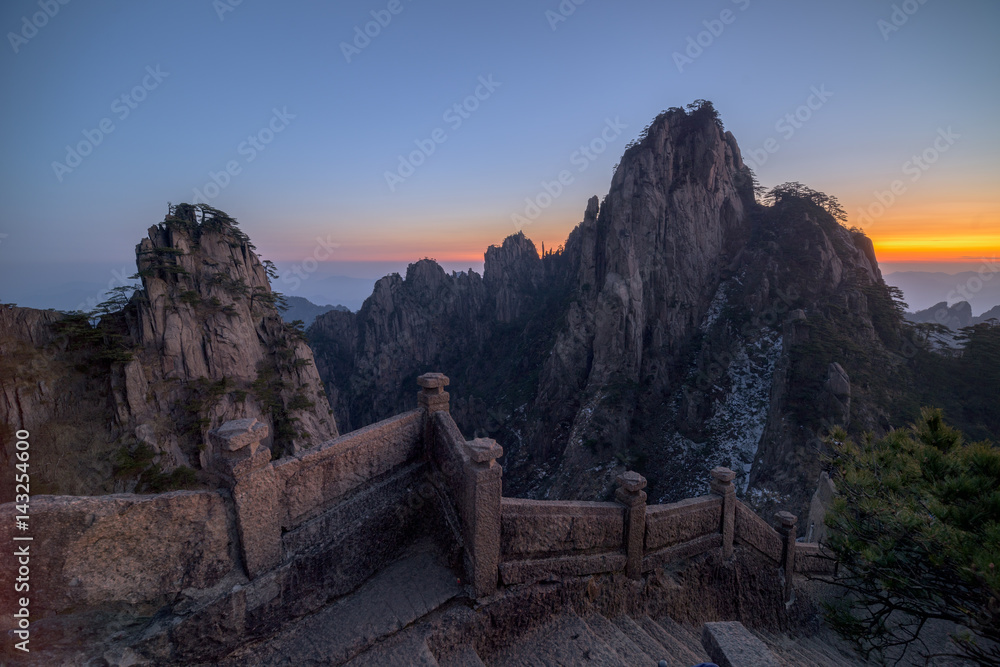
{"x":955,"y":226}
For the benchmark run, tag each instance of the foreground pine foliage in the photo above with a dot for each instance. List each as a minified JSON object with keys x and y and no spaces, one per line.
{"x":916,"y":533}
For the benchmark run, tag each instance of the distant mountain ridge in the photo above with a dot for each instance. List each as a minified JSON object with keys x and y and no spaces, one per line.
{"x":923,"y":290}
{"x":955,"y":317}
{"x":304,"y":310}
{"x":683,"y":325}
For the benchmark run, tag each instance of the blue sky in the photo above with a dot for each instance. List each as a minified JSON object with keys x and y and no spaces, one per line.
{"x":204,"y":81}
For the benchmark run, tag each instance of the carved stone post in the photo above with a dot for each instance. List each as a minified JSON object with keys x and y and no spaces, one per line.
{"x":722,"y":485}
{"x":432,"y":395}
{"x":482,"y":548}
{"x":787,"y":532}
{"x":630,"y":493}
{"x":433,"y":398}
{"x":245,"y":467}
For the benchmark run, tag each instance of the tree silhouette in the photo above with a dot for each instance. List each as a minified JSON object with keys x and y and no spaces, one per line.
{"x":795,"y":191}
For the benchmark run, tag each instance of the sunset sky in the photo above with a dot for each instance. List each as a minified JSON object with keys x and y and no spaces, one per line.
{"x":427,"y":136}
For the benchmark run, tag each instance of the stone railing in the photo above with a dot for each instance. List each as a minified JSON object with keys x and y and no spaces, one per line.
{"x":471,"y":478}
{"x":541,"y":539}
{"x":278,"y":539}
{"x":281,"y":538}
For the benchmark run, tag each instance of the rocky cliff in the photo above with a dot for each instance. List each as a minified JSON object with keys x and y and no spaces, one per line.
{"x":683,"y":323}
{"x":201,"y":342}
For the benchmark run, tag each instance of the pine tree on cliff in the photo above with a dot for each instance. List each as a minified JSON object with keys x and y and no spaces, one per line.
{"x":915,"y":531}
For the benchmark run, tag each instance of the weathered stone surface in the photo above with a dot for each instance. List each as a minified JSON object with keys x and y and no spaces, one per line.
{"x":433,"y":381}
{"x":475,"y":488}
{"x":818,"y":507}
{"x":682,"y":521}
{"x":680,"y":552}
{"x":811,"y":557}
{"x":553,"y":527}
{"x":238,"y":433}
{"x":396,"y":597}
{"x":484,"y":450}
{"x":631,"y":481}
{"x":565,"y":640}
{"x":258,"y":520}
{"x":539,"y":569}
{"x":729,"y":644}
{"x":122,"y":548}
{"x":752,"y":530}
{"x":315,"y":478}
{"x":626,"y":649}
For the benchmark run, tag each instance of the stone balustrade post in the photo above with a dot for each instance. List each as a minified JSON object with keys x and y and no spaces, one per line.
{"x":482,"y":544}
{"x":722,"y":485}
{"x":630,"y":493}
{"x":787,"y":531}
{"x":433,"y":398}
{"x":432,"y":395}
{"x":244,"y":464}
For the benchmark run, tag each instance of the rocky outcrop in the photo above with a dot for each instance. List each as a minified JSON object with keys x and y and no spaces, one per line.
{"x":954,"y":317}
{"x":48,"y":389}
{"x":200,"y":343}
{"x":212,"y":343}
{"x":683,"y":326}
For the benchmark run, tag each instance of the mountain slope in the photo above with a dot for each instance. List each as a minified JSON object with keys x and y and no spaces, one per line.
{"x":199,"y":344}
{"x":683,"y":326}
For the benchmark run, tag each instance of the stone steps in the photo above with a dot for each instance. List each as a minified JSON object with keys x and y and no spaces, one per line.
{"x":571,"y":640}
{"x":813,"y":651}
{"x":374,"y":614}
{"x":564,"y":640}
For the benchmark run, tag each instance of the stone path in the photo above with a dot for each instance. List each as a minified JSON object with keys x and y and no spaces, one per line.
{"x":385,"y":622}
{"x":396,"y":597}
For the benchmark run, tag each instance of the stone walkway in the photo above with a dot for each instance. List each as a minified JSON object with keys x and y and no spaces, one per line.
{"x":396,"y":597}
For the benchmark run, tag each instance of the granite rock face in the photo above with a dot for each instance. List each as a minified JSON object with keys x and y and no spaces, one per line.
{"x":199,"y":344}
{"x":682,"y":326}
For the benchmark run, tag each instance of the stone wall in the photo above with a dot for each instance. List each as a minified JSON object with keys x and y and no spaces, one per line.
{"x":547,"y":528}
{"x":186,"y":576}
{"x":542,"y":539}
{"x":754,"y":531}
{"x":317,"y":478}
{"x":139,"y":550}
{"x":471,"y":479}
{"x":668,"y":525}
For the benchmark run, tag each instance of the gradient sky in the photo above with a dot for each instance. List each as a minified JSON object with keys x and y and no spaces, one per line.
{"x":229,"y":71}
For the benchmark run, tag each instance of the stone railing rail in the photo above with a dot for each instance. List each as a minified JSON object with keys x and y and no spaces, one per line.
{"x":282,"y":538}
{"x":303,"y":528}
{"x":542,"y":539}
